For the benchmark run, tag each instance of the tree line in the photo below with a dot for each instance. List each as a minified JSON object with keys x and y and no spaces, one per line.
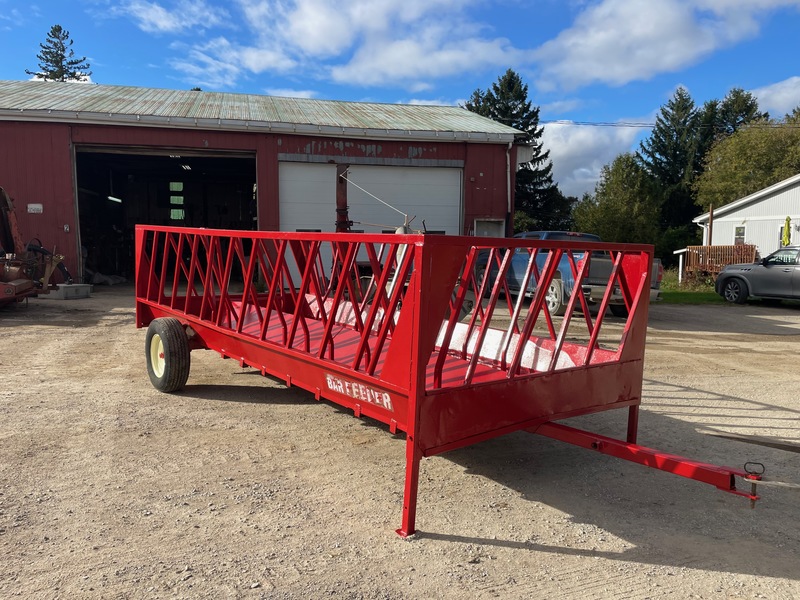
{"x":695,"y":157}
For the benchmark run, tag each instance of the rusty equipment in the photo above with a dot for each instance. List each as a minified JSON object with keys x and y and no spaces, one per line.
{"x":25,"y":269}
{"x":397,"y":347}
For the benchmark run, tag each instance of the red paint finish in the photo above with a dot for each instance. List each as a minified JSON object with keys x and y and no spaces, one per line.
{"x":407,"y":346}
{"x":723,"y":478}
{"x":154,"y":137}
{"x":36,"y":168}
{"x":486,"y":183}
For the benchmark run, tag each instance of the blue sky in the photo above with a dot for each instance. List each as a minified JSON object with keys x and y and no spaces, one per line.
{"x":593,"y":66}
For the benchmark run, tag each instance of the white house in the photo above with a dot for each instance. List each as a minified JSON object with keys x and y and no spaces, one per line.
{"x":756,"y":219}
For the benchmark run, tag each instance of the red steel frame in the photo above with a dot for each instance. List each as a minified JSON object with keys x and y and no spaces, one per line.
{"x":427,"y":342}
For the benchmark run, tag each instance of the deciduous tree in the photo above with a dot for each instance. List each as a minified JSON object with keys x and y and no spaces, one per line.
{"x":754,"y":157}
{"x":625,"y":206}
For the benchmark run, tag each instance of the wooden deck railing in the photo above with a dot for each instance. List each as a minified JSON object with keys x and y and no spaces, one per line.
{"x":711,"y":259}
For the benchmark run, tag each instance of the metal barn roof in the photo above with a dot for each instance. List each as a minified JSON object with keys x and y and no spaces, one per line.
{"x":50,"y":101}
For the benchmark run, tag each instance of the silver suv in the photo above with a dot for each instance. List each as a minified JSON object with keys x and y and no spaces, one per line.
{"x":776,"y":276}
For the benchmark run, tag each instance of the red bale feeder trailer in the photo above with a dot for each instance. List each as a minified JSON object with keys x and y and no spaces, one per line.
{"x":419,"y":332}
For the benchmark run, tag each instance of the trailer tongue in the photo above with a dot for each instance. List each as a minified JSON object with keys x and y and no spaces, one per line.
{"x":426,"y":339}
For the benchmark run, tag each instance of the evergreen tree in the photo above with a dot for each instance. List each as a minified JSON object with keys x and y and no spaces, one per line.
{"x":57,"y":60}
{"x":737,"y":109}
{"x":625,"y":206}
{"x":708,"y":131}
{"x":537,"y":197}
{"x":669,"y":156}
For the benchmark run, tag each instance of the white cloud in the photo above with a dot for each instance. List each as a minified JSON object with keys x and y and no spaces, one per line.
{"x":13,"y":17}
{"x":619,"y":41}
{"x":438,"y":102}
{"x":416,"y":44}
{"x":579,"y":152}
{"x":359,"y":42}
{"x":220,"y":64}
{"x":779,"y":98}
{"x":201,"y":68}
{"x":289,"y":93}
{"x":152,"y":17}
{"x":413,"y":61}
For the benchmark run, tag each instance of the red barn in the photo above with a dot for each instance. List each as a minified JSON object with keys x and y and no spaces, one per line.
{"x":84,"y":163}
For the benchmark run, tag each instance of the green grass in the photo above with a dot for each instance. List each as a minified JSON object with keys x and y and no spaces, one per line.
{"x":693,"y":291}
{"x":690,"y":297}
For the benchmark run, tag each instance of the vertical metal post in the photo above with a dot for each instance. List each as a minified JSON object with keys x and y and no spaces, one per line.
{"x":342,"y":217}
{"x":413,"y":457}
{"x":633,"y":423}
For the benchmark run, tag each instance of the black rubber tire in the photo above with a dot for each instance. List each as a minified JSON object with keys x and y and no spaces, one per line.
{"x":735,"y":290}
{"x":166,"y":350}
{"x":619,"y":310}
{"x":480,"y":273}
{"x":554,"y":298}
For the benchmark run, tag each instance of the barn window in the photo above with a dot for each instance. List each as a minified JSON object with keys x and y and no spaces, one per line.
{"x":738,"y":235}
{"x":176,"y":210}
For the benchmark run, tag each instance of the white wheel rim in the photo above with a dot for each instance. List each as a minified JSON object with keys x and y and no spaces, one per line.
{"x":552,"y":300}
{"x":157,"y":355}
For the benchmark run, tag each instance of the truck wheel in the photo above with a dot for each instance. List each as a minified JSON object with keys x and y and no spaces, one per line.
{"x":619,"y":310}
{"x":555,"y":298}
{"x":735,"y":290}
{"x":166,"y":349}
{"x":480,"y":273}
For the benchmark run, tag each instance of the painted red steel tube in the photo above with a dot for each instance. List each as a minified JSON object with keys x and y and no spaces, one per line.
{"x":448,"y":339}
{"x":723,"y":478}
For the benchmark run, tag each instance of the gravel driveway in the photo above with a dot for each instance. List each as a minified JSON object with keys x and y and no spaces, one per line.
{"x":241,"y":488}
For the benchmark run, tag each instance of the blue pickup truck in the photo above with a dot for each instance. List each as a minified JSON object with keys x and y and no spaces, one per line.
{"x":561,"y":288}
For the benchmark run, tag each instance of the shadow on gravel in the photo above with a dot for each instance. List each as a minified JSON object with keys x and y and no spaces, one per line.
{"x":246,"y":394}
{"x":663,"y":519}
{"x":82,"y":312}
{"x":755,"y":318}
{"x":660,"y":518}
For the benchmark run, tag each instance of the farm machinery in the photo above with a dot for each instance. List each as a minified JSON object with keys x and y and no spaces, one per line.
{"x":25,"y":268}
{"x":425,"y":341}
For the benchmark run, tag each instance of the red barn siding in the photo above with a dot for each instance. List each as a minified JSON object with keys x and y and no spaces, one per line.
{"x":153,"y":137}
{"x":486,"y":183}
{"x":384,"y":149}
{"x":37,"y":167}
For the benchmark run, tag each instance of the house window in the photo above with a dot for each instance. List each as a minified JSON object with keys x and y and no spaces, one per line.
{"x":738,"y":235}
{"x":176,"y":210}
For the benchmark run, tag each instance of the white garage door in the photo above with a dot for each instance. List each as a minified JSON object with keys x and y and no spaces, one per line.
{"x":308,"y":199}
{"x":307,"y":196}
{"x":426,"y":194}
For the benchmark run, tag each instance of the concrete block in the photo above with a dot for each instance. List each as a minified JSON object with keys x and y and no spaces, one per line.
{"x":71,"y":291}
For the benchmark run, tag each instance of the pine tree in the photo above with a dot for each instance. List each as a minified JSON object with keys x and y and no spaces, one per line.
{"x":737,"y":109}
{"x":669,"y":155}
{"x":543,"y":205}
{"x":57,"y":60}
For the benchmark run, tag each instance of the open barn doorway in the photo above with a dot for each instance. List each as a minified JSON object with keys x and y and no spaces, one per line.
{"x":118,"y":189}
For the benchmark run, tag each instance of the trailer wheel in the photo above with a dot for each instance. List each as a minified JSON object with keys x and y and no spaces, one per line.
{"x":555,"y":298}
{"x":166,"y":348}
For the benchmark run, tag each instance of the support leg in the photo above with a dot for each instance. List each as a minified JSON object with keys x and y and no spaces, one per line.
{"x":633,"y":423}
{"x":413,"y":457}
